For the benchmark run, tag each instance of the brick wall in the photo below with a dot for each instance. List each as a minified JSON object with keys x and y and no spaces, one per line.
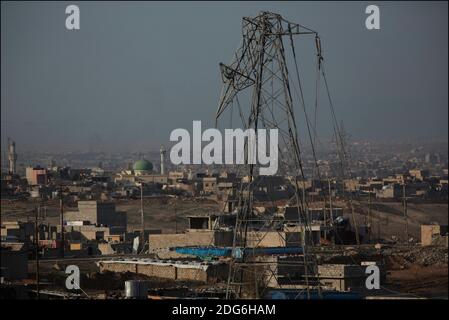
{"x":118,"y":267}
{"x":212,"y":274}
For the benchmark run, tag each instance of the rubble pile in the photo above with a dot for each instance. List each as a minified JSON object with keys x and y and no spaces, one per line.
{"x":427,"y":256}
{"x":422,"y":256}
{"x":395,"y":257}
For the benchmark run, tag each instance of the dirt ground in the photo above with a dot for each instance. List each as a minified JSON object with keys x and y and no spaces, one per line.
{"x":418,"y":271}
{"x":387,"y":218}
{"x":167,"y":214}
{"x":418,"y":281}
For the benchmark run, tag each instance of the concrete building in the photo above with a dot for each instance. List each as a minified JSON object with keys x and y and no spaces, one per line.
{"x":351,"y":185}
{"x":92,"y":233}
{"x":210,"y":184}
{"x":392,"y":191}
{"x":175,"y":175}
{"x":152,"y":178}
{"x":209,"y":221}
{"x":203,"y":230}
{"x":290,"y":236}
{"x":142,"y":171}
{"x":17,"y":230}
{"x":190,"y":238}
{"x":341,"y":277}
{"x":289,"y":273}
{"x":98,"y":213}
{"x":419,"y":174}
{"x":36,"y":176}
{"x":314,"y":214}
{"x":434,"y":235}
{"x":95,"y":221}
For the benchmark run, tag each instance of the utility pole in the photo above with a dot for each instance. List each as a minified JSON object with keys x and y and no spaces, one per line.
{"x":176,"y":221}
{"x":36,"y":248}
{"x":325,"y":216}
{"x":404,"y":198}
{"x":304,"y":199}
{"x":330,"y":200}
{"x":142,"y":219}
{"x":369,"y":216}
{"x":378,"y":229}
{"x":354,"y":221}
{"x":61,"y":216}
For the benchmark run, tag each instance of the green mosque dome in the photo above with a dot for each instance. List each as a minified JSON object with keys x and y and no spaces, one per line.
{"x":142,"y":165}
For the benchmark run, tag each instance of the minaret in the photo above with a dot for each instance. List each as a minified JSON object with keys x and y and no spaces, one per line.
{"x":163,"y":152}
{"x":12,"y":156}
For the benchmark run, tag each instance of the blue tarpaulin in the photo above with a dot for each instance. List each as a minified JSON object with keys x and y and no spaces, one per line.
{"x":237,"y":253}
{"x":204,"y":251}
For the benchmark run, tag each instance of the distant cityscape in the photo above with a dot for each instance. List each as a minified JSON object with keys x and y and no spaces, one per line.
{"x":367,"y":159}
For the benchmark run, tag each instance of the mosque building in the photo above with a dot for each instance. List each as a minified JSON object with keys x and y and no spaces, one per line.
{"x":142,"y":167}
{"x":142,"y":171}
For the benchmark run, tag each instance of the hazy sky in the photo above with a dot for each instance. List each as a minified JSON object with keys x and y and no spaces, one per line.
{"x":136,"y":71}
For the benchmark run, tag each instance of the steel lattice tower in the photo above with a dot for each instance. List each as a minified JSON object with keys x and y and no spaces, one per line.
{"x":259,"y":71}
